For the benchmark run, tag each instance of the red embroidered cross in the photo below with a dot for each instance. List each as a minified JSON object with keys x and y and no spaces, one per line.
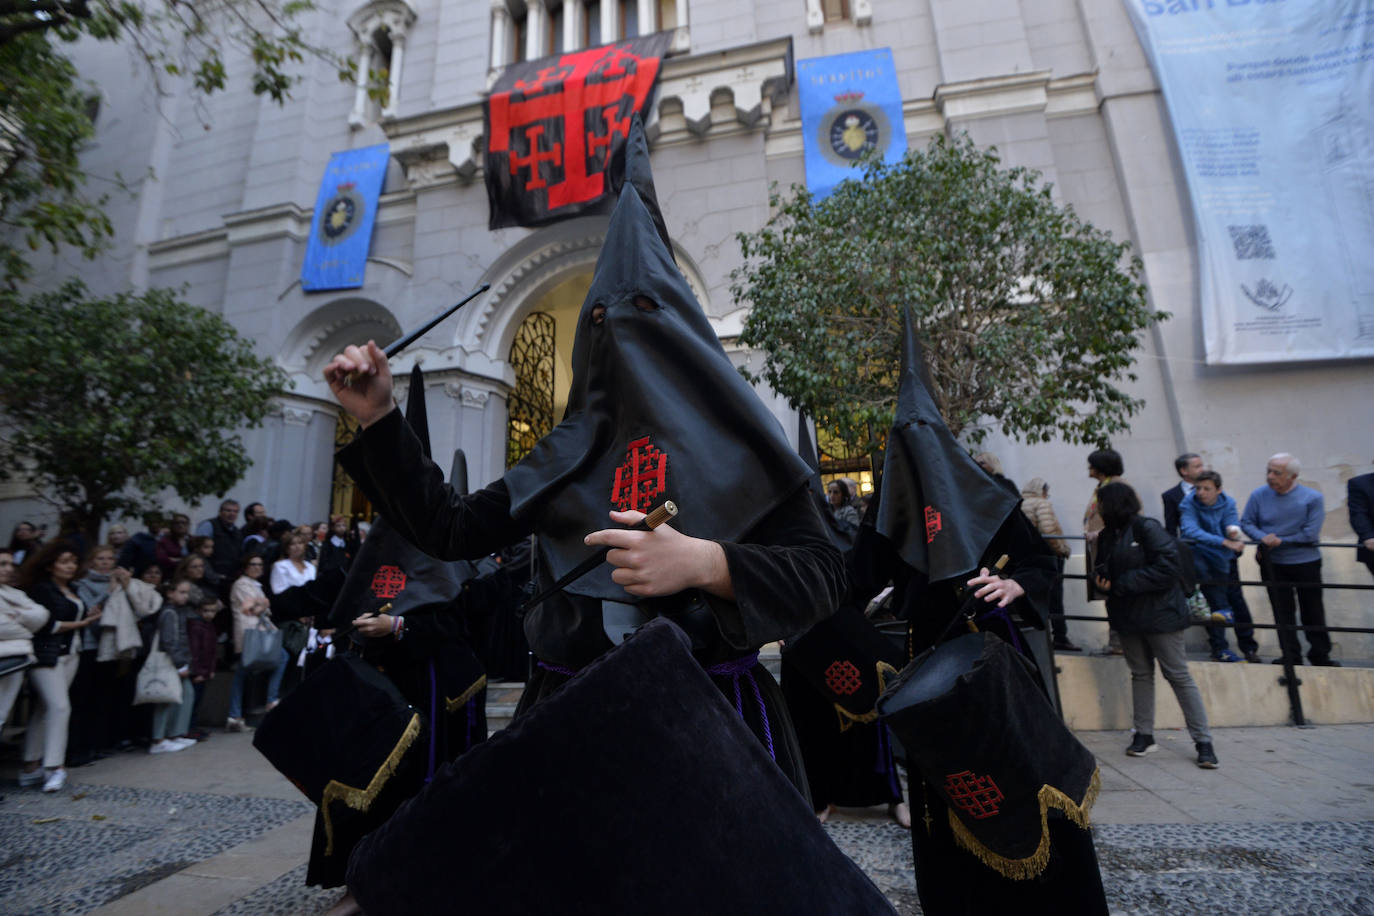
{"x":933,"y":525}
{"x":642,"y":477}
{"x":533,"y":132}
{"x":600,"y":79}
{"x":388,"y":581}
{"x":843,"y":678}
{"x":976,"y":795}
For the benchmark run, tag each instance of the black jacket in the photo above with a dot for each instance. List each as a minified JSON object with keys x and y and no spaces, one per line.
{"x":1172,"y":497}
{"x":1141,"y":563}
{"x":1360,"y":501}
{"x":47,"y":645}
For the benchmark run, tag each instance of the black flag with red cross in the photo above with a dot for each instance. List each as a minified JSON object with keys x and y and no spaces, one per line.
{"x":553,"y":125}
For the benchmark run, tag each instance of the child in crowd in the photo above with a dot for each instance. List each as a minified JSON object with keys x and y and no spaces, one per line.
{"x":171,"y":720}
{"x":204,"y":640}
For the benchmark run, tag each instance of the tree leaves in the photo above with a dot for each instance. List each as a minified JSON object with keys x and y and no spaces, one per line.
{"x":1029,"y":315}
{"x":111,"y":402}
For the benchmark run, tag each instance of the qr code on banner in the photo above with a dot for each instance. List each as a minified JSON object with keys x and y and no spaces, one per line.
{"x":1252,"y":242}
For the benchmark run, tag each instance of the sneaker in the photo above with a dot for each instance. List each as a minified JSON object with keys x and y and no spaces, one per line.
{"x":55,"y":781}
{"x":165,"y":746}
{"x":183,"y":743}
{"x":1065,"y":645}
{"x":235,"y":725}
{"x":31,"y":778}
{"x":1142,"y":745}
{"x":1253,"y":658}
{"x":1223,"y":617}
{"x":1206,"y":757}
{"x":1225,"y":655}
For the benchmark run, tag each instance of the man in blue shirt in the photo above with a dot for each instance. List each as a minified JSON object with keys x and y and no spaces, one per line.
{"x":1286,"y":518}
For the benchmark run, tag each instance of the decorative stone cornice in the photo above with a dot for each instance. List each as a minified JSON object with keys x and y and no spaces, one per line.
{"x":994,"y":96}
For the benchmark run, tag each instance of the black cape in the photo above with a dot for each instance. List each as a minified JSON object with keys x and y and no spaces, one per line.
{"x":634,"y":789}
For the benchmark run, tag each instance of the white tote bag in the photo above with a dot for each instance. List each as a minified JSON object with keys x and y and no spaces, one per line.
{"x":158,"y":681}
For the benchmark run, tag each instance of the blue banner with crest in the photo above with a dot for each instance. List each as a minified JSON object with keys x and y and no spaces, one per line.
{"x":345,"y":211}
{"x":850,"y":104}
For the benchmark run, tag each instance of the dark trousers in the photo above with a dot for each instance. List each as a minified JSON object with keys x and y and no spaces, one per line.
{"x":1059,"y":627}
{"x":1309,"y":599}
{"x":1245,"y":624}
{"x":1221,"y":588}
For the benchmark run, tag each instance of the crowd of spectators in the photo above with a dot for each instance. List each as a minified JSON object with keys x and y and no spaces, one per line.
{"x":1281,"y":520}
{"x":77,"y":625}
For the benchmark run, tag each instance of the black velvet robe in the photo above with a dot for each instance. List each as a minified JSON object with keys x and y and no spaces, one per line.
{"x":949,"y":879}
{"x":786,"y":575}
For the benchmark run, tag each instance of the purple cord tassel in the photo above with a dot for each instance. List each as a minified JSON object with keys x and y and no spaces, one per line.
{"x":733,"y":670}
{"x":556,"y":669}
{"x":1001,"y":614}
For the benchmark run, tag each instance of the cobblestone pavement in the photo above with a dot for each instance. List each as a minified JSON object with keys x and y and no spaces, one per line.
{"x":1288,"y":828}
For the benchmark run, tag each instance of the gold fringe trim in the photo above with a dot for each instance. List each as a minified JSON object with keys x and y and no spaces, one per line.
{"x":1034,"y":864}
{"x":362,"y":799}
{"x":847,"y":718}
{"x":452,"y":703}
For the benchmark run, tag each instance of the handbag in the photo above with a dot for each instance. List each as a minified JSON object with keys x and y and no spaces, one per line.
{"x":12,"y":663}
{"x":1199,"y":611}
{"x":261,"y":648}
{"x":158,"y":681}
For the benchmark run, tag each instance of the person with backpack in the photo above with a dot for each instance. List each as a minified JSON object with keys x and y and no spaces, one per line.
{"x":1137,"y":568}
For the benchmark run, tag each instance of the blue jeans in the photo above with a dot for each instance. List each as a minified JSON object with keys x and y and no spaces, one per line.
{"x":241,"y":676}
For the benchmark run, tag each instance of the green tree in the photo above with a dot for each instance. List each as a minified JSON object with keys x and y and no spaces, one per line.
{"x":109,"y":403}
{"x":44,"y":125}
{"x":44,"y":119}
{"x":1029,"y":316}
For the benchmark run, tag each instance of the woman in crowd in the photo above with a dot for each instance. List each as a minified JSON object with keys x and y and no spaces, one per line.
{"x":171,"y":721}
{"x":47,"y":576}
{"x":1036,"y":506}
{"x":20,"y":618}
{"x":192,"y":568}
{"x":249,"y":605}
{"x":842,"y":507}
{"x":91,"y":734}
{"x":116,"y":536}
{"x":23,"y":542}
{"x":293,"y":569}
{"x":1137,"y":570}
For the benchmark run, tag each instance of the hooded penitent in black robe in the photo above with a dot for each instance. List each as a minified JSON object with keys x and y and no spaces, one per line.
{"x":937,"y":519}
{"x":406,"y":705}
{"x":831,"y":678}
{"x":656,"y":411}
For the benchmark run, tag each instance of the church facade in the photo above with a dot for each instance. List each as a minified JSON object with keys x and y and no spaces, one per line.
{"x":225,"y":190}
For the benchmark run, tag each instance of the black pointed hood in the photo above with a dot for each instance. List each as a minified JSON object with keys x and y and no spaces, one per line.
{"x":416,"y":413}
{"x":937,"y":506}
{"x":656,"y":409}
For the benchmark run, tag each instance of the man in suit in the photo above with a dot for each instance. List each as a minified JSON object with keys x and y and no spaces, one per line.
{"x":1188,"y":466}
{"x":1359,"y":499}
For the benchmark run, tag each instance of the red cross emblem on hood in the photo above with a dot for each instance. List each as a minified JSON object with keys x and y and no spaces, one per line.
{"x":388,"y":581}
{"x":642,"y":477}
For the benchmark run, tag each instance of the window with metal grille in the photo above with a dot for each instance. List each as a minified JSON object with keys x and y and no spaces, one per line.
{"x":530,"y":406}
